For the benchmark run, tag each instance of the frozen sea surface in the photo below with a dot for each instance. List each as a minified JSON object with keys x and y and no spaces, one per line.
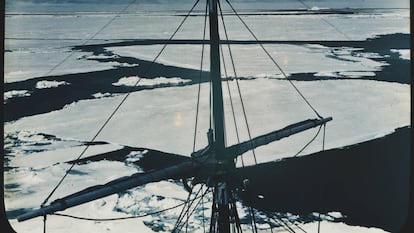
{"x":40,"y":39}
{"x":36,"y":43}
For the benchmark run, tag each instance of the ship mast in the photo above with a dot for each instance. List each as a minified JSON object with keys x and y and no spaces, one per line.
{"x":222,"y":193}
{"x":215,"y":76}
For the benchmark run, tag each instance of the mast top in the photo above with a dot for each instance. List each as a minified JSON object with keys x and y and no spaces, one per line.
{"x":215,"y":77}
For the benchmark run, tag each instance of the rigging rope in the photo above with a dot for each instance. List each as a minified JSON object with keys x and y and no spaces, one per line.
{"x":199,"y":79}
{"x":233,"y":209}
{"x":202,"y":209}
{"x":251,"y":212}
{"x":323,"y":148}
{"x":231,"y":100}
{"x":210,"y":103}
{"x":307,"y":144}
{"x":187,"y":202}
{"x":123,"y":218}
{"x":237,"y":81}
{"x":319,"y":222}
{"x":323,"y":141}
{"x":177,"y":227}
{"x":44,"y":223}
{"x":118,"y":106}
{"x":284,"y":224}
{"x":288,"y":228}
{"x":92,"y":37}
{"x":273,"y":60}
{"x":327,"y":22}
{"x":297,"y":225}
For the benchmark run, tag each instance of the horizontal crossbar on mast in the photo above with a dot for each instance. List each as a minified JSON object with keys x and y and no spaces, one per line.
{"x":289,"y":130}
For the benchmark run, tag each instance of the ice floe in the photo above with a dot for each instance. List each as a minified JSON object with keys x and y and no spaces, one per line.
{"x":50,"y":84}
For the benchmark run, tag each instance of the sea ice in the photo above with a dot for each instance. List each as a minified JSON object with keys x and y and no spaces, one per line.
{"x":15,"y":93}
{"x":270,"y":104}
{"x":50,"y":84}
{"x":404,"y":53}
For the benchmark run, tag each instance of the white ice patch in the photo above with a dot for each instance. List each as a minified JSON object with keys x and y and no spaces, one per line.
{"x":23,"y":143}
{"x":15,"y":93}
{"x":29,"y":136}
{"x":327,"y":74}
{"x":124,"y":64}
{"x":135,"y":156}
{"x":127,"y":81}
{"x":98,"y":57}
{"x":163,"y":80}
{"x":270,"y":76}
{"x":50,"y":84}
{"x":167,"y":189}
{"x":369,"y":55}
{"x":135,"y":80}
{"x":404,"y":53}
{"x":356,"y":74}
{"x":346,"y":74}
{"x":102,"y":95}
{"x":335,"y":214}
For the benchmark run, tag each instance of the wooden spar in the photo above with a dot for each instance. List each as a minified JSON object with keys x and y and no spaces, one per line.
{"x":238,"y":149}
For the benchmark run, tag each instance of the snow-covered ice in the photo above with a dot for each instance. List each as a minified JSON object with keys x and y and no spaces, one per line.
{"x":171,"y":112}
{"x":50,"y":84}
{"x":164,"y":118}
{"x":134,"y":80}
{"x":404,"y":53}
{"x":15,"y":93}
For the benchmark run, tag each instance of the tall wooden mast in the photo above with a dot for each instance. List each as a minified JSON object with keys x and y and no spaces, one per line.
{"x":215,"y":76}
{"x":220,"y":208}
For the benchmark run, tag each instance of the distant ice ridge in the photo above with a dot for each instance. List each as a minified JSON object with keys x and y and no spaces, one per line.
{"x":50,"y":84}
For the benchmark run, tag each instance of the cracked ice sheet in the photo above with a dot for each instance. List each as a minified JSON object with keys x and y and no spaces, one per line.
{"x":36,"y":62}
{"x":164,"y":119}
{"x":25,"y":59}
{"x":251,"y":61}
